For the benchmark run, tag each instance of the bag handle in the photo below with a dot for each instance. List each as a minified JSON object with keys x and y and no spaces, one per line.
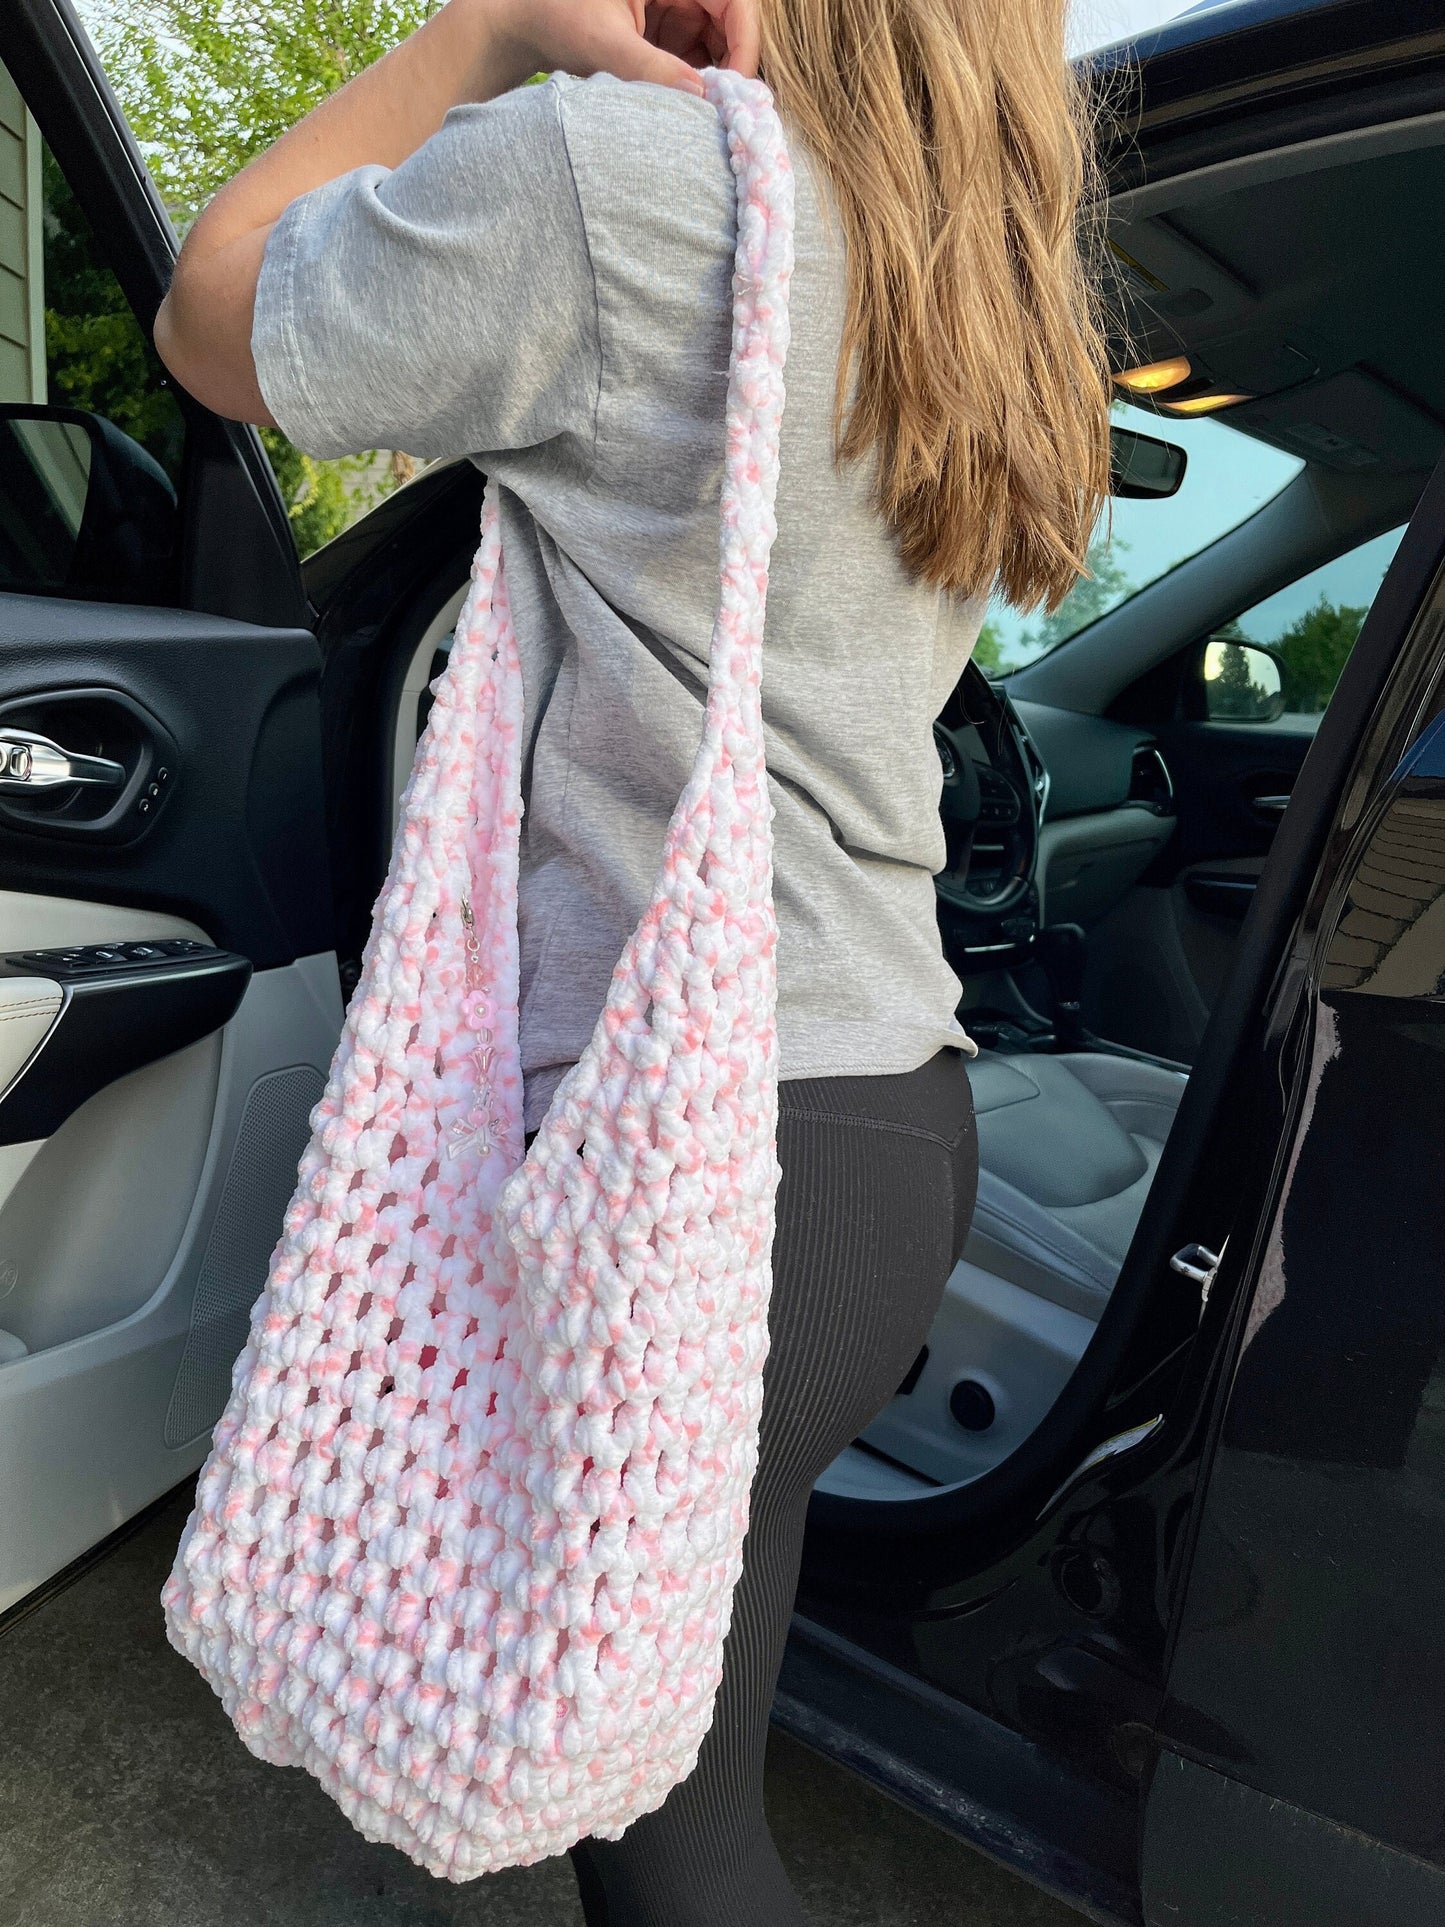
{"x":737,"y":832}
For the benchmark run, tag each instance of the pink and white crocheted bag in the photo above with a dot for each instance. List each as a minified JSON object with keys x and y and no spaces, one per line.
{"x":466,"y":1542}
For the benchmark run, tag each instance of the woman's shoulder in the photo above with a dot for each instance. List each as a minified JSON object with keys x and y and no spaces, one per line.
{"x":652,"y":177}
{"x":641,"y":158}
{"x":637,"y":125}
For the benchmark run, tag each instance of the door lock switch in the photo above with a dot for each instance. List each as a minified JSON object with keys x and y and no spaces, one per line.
{"x":88,"y":959}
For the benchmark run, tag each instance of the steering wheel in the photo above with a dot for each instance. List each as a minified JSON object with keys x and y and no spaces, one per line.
{"x":984,"y":802}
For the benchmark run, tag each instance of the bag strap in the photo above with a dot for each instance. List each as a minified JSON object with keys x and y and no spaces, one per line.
{"x":483,"y":680}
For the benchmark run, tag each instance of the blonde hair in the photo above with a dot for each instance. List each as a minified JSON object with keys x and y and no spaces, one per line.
{"x":955,"y":138}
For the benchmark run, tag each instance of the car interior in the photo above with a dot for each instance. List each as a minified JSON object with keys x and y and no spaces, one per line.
{"x":1275,"y":312}
{"x":1111,"y":779}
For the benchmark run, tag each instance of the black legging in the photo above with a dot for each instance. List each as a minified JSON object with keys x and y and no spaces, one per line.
{"x":877,"y":1189}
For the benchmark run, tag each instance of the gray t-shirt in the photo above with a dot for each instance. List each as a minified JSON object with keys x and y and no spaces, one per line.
{"x":545,"y":286}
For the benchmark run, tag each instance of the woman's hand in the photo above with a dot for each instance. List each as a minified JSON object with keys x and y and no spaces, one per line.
{"x":664,"y":41}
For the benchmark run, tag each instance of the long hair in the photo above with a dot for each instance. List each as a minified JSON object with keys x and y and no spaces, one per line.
{"x":956,"y":140}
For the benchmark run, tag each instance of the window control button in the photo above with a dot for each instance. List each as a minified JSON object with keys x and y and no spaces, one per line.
{"x":80,"y":960}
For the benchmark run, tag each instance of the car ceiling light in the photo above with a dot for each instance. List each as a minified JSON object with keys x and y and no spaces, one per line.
{"x":1203,"y":404}
{"x":1155,"y":376}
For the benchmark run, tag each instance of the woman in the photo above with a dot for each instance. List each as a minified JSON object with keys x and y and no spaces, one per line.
{"x":441,"y":260}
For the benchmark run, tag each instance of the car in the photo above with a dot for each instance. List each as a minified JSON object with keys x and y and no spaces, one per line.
{"x":1138,"y":1583}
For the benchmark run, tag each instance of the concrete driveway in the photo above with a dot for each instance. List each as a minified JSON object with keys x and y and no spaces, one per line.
{"x":127,"y":1801}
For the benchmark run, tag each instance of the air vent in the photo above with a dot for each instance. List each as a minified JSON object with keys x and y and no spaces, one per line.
{"x":1149,"y":781}
{"x":1038,"y":771}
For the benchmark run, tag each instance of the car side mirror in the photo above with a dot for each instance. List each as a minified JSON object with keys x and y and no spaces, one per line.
{"x":84,"y":510}
{"x":1142,"y":468}
{"x":1243,"y":683}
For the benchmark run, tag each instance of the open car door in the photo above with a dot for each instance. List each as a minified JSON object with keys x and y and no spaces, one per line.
{"x":168,"y":986}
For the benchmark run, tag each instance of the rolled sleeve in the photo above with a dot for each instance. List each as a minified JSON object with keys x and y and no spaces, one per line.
{"x":443,"y":307}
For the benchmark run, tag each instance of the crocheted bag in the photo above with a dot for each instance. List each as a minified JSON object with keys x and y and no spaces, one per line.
{"x":466,"y":1541}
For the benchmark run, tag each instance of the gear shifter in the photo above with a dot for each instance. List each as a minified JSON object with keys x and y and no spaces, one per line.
{"x":1060,"y":950}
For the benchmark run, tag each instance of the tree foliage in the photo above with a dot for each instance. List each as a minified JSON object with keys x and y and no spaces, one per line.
{"x":96,"y":356}
{"x":1315,"y":649}
{"x":990,"y":652}
{"x":1105,"y":585}
{"x":207,"y":84}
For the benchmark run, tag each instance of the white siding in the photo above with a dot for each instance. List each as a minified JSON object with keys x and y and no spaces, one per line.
{"x":22,"y":292}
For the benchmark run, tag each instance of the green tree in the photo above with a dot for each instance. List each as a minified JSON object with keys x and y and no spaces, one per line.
{"x":96,"y":356}
{"x":1315,"y":649}
{"x":206,"y":84}
{"x":988,"y":651}
{"x":1105,"y":585}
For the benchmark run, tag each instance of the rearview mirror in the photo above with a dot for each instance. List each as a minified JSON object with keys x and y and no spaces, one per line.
{"x":1143,"y":469}
{"x":1242,"y":682}
{"x":84,"y":510}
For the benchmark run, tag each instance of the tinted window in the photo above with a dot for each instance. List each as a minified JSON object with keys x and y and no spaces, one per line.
{"x":1312,"y":625}
{"x":90,"y":432}
{"x":1230,"y":476}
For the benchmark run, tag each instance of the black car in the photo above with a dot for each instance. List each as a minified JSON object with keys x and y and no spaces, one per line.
{"x":1139,"y":1582}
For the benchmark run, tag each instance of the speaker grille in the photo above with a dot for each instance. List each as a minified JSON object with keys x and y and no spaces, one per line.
{"x":274,"y":1131}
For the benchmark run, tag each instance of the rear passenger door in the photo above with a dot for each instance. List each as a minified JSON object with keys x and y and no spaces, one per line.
{"x":168,"y":989}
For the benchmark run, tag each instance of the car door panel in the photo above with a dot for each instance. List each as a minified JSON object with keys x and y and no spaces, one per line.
{"x":237,"y":844}
{"x":150,"y":1132}
{"x":1159,"y":958}
{"x":136,"y":1224}
{"x":1219,"y":772}
{"x":132,"y":1247}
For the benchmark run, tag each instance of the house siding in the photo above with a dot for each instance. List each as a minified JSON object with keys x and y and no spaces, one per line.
{"x":22,"y":284}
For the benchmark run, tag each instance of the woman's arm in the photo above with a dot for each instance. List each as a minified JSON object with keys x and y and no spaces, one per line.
{"x":471,"y":50}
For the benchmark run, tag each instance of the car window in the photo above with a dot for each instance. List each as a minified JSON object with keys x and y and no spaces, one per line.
{"x":91,"y":435}
{"x":1312,"y":625}
{"x":204,"y":89}
{"x":1228,"y":478}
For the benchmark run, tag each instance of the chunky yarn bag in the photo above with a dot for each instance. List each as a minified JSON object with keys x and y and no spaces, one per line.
{"x":466,"y":1541}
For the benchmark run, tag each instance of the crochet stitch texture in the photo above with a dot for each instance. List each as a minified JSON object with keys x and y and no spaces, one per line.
{"x":466,"y":1541}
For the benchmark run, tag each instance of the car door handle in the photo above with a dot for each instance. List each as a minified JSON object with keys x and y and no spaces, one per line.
{"x":29,"y":762}
{"x":1270,"y":805}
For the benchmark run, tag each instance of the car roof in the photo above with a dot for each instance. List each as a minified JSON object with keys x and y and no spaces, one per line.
{"x":1214,"y":20}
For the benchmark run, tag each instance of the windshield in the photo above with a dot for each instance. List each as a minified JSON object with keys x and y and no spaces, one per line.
{"x":1229,"y":477}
